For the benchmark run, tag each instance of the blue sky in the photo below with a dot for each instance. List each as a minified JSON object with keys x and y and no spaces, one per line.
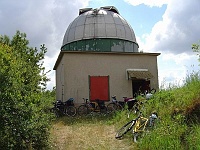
{"x":142,"y":17}
{"x":169,"y":27}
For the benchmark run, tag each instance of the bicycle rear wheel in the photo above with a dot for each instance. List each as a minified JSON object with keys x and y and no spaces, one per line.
{"x":119,"y":107}
{"x":83,"y":110}
{"x":70,"y":111}
{"x":112,"y":107}
{"x":127,"y":127}
{"x":103,"y":110}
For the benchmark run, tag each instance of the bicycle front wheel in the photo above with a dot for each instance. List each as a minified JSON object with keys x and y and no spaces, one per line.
{"x":55,"y":111}
{"x":111,"y":107}
{"x":70,"y":111}
{"x":83,"y":110}
{"x":127,"y":127}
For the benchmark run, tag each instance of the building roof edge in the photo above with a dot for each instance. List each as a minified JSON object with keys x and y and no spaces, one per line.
{"x":92,"y":52}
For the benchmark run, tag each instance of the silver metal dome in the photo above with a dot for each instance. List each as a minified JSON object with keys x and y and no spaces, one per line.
{"x":104,"y":22}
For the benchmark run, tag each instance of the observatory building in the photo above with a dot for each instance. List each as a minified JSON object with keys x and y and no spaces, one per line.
{"x":99,"y":58}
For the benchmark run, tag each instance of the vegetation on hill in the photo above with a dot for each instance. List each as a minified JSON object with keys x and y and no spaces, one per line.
{"x":178,"y":107}
{"x":24,"y":123}
{"x":179,"y":112}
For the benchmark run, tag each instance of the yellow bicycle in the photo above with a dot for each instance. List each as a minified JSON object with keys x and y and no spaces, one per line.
{"x":139,"y":125}
{"x":97,"y":106}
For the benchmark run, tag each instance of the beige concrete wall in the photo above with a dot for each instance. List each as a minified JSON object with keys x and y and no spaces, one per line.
{"x":60,"y":81}
{"x":75,"y":68}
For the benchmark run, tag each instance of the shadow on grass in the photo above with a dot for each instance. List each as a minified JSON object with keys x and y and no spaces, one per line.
{"x":89,"y":119}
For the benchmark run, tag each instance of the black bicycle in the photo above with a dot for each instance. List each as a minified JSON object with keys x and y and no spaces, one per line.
{"x":64,"y":108}
{"x":115,"y":105}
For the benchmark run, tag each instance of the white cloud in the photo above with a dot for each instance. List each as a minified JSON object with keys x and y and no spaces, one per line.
{"x":178,"y":29}
{"x":178,"y":59}
{"x":46,"y":22}
{"x":173,"y":37}
{"x":173,"y":69}
{"x":150,"y":3}
{"x":43,"y":22}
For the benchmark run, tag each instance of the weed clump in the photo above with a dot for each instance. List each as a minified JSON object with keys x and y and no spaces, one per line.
{"x":193,"y":112}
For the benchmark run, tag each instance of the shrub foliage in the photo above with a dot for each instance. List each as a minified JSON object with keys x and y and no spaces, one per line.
{"x":23,"y":125}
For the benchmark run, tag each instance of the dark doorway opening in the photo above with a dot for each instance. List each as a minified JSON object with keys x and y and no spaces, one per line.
{"x":139,"y":86}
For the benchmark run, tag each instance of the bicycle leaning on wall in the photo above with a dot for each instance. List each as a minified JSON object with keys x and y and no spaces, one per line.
{"x":64,"y":108}
{"x":97,"y":106}
{"x":129,"y":104}
{"x":115,"y":105}
{"x":139,"y":126}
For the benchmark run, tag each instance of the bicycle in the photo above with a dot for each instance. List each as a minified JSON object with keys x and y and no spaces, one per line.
{"x":64,"y":108}
{"x":115,"y":105}
{"x":136,"y":105}
{"x":133,"y":105}
{"x":148,"y":94}
{"x":139,"y":126}
{"x":88,"y":107}
{"x":129,"y":104}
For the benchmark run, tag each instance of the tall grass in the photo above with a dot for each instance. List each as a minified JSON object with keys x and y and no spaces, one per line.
{"x":193,"y":138}
{"x":174,"y":130}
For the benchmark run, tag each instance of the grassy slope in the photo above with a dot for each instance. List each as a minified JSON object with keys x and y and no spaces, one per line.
{"x":177,"y":128}
{"x":179,"y":111}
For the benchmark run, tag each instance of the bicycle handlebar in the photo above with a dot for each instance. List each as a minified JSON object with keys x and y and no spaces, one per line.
{"x":85,"y":100}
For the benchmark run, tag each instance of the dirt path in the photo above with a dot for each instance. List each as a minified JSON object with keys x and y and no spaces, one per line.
{"x":87,"y":137}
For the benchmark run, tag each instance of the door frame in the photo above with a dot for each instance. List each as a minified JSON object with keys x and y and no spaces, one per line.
{"x":140,"y":86}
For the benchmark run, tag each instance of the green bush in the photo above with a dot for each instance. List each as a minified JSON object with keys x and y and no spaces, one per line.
{"x":24,"y":123}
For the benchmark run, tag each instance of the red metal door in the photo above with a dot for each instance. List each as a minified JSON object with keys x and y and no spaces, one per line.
{"x":99,"y":88}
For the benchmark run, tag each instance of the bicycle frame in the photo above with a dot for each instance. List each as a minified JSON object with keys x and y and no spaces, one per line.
{"x":134,"y":108}
{"x":137,"y":125}
{"x":140,"y":124}
{"x":115,"y":101}
{"x":93,"y":106}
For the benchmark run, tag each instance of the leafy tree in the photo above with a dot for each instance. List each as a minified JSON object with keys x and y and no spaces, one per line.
{"x":196,"y":48}
{"x":23,"y":125}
